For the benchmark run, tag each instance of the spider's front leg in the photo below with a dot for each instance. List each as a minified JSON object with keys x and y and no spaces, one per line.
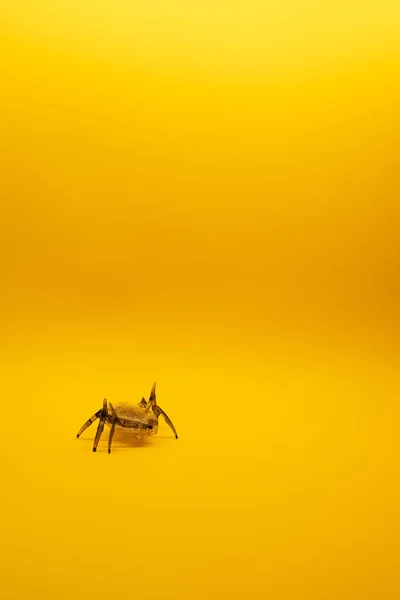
{"x":102,"y":415}
{"x":100,"y":427}
{"x":89,"y":422}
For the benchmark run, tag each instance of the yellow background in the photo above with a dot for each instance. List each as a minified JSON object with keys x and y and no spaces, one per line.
{"x":204,"y":194}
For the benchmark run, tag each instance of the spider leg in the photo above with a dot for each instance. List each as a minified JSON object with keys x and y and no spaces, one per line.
{"x":143,"y":403}
{"x":114,"y":420}
{"x":100,"y":427}
{"x":152,"y":399}
{"x":89,"y":422}
{"x":158,"y":412}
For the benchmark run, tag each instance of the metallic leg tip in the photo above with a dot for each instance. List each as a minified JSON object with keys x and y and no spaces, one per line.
{"x":94,"y":449}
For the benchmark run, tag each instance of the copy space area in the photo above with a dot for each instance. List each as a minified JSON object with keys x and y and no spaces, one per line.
{"x":205,"y":195}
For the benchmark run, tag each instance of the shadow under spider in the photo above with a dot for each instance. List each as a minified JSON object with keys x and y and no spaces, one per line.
{"x":126,"y":439}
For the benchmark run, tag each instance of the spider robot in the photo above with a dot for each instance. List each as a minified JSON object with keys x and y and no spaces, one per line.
{"x":141,"y":418}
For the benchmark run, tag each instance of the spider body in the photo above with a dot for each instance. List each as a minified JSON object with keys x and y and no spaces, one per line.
{"x":142,"y":419}
{"x":137,"y":418}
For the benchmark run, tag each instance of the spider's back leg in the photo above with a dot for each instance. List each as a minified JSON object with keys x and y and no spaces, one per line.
{"x":152,"y":399}
{"x":114,"y":420}
{"x":158,"y":412}
{"x":143,"y":403}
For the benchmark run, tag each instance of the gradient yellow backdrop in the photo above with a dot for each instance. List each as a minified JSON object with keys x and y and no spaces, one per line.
{"x":205,"y":194}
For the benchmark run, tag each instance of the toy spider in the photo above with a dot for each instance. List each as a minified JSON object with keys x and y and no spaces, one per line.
{"x":143,"y":418}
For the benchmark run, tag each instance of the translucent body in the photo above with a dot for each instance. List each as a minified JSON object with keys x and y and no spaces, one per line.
{"x":137,"y":420}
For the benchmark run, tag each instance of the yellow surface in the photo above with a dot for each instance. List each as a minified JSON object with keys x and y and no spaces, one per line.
{"x":204,"y":194}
